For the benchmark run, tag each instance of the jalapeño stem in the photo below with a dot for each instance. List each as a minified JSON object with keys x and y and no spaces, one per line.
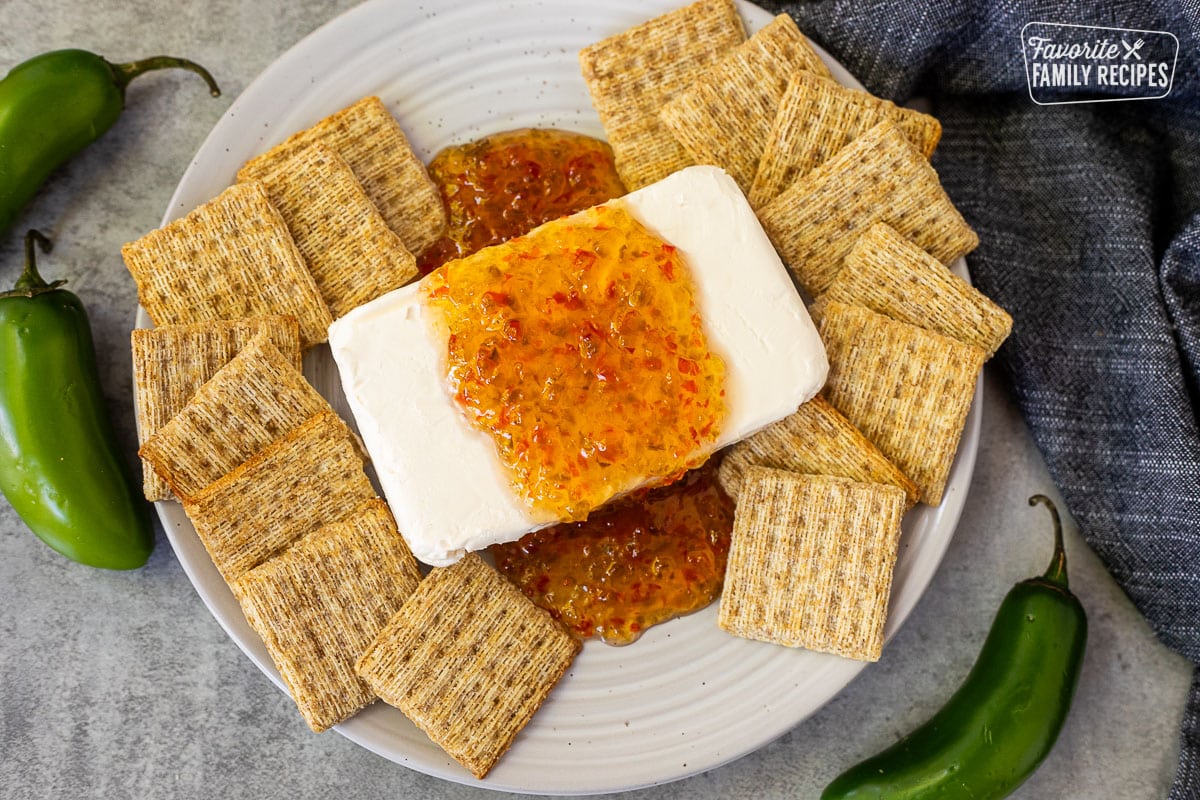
{"x":124,"y":73}
{"x":30,"y":281}
{"x":1056,"y":573}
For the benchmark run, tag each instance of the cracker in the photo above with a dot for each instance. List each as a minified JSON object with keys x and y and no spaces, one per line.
{"x":368,"y":137}
{"x":890,"y":275}
{"x":818,"y":440}
{"x":724,"y":118}
{"x":228,"y":259}
{"x":310,"y":477}
{"x":879,"y":177}
{"x":468,"y":659}
{"x":630,"y":76}
{"x":906,"y":388}
{"x":320,"y":603}
{"x":810,"y":562}
{"x":247,"y":404}
{"x":817,"y":118}
{"x":348,"y":247}
{"x":172,"y":362}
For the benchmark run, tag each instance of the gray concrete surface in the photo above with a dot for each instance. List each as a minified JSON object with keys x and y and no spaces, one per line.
{"x":121,"y":685}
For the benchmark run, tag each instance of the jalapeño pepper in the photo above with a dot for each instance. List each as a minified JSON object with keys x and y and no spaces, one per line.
{"x":60,"y":464}
{"x":55,"y":104}
{"x":1003,"y":720}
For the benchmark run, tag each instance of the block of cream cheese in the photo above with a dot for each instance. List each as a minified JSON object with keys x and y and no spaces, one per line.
{"x":442,"y":477}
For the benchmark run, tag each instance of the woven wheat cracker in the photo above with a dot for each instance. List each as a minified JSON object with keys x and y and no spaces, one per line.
{"x":172,"y":362}
{"x":817,"y":118}
{"x":725,"y":116}
{"x":368,"y":137}
{"x":879,"y":177}
{"x":468,"y":659}
{"x":319,"y":604}
{"x":228,"y":259}
{"x":810,"y":562}
{"x":816,"y":440}
{"x":310,"y":477}
{"x":632,"y":74}
{"x":890,"y":275}
{"x":254,"y":399}
{"x":906,"y":388}
{"x":351,"y":252}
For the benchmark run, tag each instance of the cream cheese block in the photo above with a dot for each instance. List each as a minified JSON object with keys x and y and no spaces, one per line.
{"x":442,"y":478}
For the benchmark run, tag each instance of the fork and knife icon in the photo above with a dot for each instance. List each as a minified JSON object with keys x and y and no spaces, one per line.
{"x":1132,"y":50}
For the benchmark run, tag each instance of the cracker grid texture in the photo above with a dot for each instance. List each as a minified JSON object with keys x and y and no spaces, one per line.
{"x":879,"y":177}
{"x":632,"y":74}
{"x":810,"y":562}
{"x":906,"y":388}
{"x":318,"y":605}
{"x":890,"y":275}
{"x":248,"y":403}
{"x":468,"y":659}
{"x":228,"y":259}
{"x":724,"y":118}
{"x":310,"y":477}
{"x":171,"y":363}
{"x":817,"y":118}
{"x":348,"y":247}
{"x":368,"y":137}
{"x":816,"y":440}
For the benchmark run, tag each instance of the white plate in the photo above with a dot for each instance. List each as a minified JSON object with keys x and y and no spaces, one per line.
{"x":686,"y":697}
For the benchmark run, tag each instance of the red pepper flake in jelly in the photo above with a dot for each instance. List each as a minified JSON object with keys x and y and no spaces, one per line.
{"x":580,"y":350}
{"x":644,"y":560}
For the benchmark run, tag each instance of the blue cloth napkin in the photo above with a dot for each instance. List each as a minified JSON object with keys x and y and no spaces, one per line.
{"x":1088,"y":216}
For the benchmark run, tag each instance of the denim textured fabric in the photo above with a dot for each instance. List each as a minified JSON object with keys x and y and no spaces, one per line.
{"x":1089,"y":221}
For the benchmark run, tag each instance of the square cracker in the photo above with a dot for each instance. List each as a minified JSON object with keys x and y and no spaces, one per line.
{"x":892,"y":276}
{"x":348,"y":247}
{"x":310,"y":477}
{"x":320,"y":603}
{"x":229,"y":258}
{"x":630,"y":76}
{"x":468,"y":659}
{"x":817,"y":118}
{"x":254,"y":399}
{"x":817,"y":440}
{"x":368,"y":137}
{"x":810,"y":562}
{"x":724,"y":118}
{"x":906,"y":388}
{"x":170,"y":363}
{"x":879,"y":177}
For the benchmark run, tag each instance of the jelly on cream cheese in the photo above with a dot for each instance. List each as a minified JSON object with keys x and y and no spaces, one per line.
{"x":442,"y":477}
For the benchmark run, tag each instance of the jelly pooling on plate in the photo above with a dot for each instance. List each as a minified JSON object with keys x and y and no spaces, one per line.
{"x":506,"y":184}
{"x":652,"y":556}
{"x":582,"y":353}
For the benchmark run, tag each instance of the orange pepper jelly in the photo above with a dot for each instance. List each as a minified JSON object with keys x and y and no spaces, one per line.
{"x":508,"y":183}
{"x":631,"y":565}
{"x":579,"y":348}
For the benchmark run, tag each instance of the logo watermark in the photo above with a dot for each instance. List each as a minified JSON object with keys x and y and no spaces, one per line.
{"x":1067,"y":63}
